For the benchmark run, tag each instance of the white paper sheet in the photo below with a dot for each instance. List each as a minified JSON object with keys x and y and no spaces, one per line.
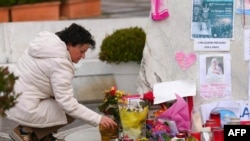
{"x":215,"y":76}
{"x":166,"y":91}
{"x":211,"y":44}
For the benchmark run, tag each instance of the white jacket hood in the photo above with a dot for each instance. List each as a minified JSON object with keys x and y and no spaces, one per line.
{"x":47,"y":45}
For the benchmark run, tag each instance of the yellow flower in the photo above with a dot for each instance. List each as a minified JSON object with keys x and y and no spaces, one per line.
{"x":110,"y":102}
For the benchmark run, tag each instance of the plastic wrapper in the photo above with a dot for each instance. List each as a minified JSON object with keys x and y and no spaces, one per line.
{"x":133,"y":113}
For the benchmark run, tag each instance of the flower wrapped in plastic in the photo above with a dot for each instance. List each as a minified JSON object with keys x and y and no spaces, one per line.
{"x":133,"y":113}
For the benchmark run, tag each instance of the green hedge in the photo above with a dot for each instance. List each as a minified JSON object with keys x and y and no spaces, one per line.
{"x":123,"y":45}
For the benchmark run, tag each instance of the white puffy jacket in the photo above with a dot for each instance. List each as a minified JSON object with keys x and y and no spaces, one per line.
{"x":45,"y":71}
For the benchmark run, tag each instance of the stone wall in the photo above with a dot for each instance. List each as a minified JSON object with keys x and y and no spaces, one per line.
{"x":166,"y":37}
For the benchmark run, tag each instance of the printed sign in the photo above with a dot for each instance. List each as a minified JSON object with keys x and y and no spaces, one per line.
{"x":210,"y":44}
{"x":212,"y":19}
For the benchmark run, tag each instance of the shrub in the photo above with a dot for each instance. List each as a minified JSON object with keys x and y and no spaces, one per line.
{"x":123,"y":45}
{"x":7,"y":94}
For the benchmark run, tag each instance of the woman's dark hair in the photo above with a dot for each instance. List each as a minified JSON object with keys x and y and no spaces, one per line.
{"x":76,"y":34}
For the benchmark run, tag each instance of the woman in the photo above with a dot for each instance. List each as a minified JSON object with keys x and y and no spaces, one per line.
{"x":45,"y":74}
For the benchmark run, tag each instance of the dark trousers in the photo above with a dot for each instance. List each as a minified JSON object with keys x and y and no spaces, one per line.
{"x":42,"y":132}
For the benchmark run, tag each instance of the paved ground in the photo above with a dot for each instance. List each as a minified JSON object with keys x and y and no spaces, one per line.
{"x":8,"y":125}
{"x":110,"y":9}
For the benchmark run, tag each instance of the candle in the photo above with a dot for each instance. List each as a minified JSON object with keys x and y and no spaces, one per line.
{"x":216,"y":117}
{"x":211,"y":124}
{"x":218,"y":134}
{"x":196,"y":135}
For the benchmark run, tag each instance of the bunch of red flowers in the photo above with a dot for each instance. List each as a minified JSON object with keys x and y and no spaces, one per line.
{"x":110,"y":102}
{"x":149,"y":97}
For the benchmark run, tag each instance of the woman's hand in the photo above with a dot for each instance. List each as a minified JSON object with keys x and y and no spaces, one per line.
{"x":107,"y":122}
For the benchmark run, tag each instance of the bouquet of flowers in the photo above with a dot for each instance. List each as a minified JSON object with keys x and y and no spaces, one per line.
{"x":133,"y":112}
{"x":110,"y":103}
{"x":160,"y":132}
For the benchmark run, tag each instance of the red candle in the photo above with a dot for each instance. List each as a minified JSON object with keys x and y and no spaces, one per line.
{"x":245,"y":122}
{"x":218,"y":134}
{"x":196,"y":135}
{"x":185,"y":132}
{"x":211,"y":120}
{"x":211,"y":124}
{"x":216,"y":117}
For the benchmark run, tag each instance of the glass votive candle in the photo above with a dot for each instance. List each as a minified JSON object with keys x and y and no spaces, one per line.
{"x":216,"y":117}
{"x":180,"y":137}
{"x":247,"y":122}
{"x":211,"y":124}
{"x":218,"y":134}
{"x":196,"y":135}
{"x":214,"y":128}
{"x":210,"y":120}
{"x":185,"y":132}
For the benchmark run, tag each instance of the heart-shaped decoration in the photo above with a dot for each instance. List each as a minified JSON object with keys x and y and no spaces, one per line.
{"x":185,"y":61}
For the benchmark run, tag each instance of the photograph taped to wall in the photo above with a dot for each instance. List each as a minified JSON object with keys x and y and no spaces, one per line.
{"x":212,"y":19}
{"x":215,"y":76}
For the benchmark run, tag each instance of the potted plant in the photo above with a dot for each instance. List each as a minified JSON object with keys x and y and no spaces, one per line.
{"x":73,"y":9}
{"x":7,"y":94}
{"x":35,"y":10}
{"x":123,"y":49}
{"x":5,"y":10}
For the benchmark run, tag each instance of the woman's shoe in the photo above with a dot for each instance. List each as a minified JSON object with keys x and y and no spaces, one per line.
{"x":21,"y":133}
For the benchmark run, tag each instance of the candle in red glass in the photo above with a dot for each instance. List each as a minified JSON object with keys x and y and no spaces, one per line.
{"x":211,"y":124}
{"x":185,"y":132}
{"x":196,"y":135}
{"x":211,"y":120}
{"x":218,"y":134}
{"x":245,"y":122}
{"x":216,"y":117}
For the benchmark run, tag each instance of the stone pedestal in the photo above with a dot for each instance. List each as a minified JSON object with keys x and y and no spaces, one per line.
{"x":125,"y":75}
